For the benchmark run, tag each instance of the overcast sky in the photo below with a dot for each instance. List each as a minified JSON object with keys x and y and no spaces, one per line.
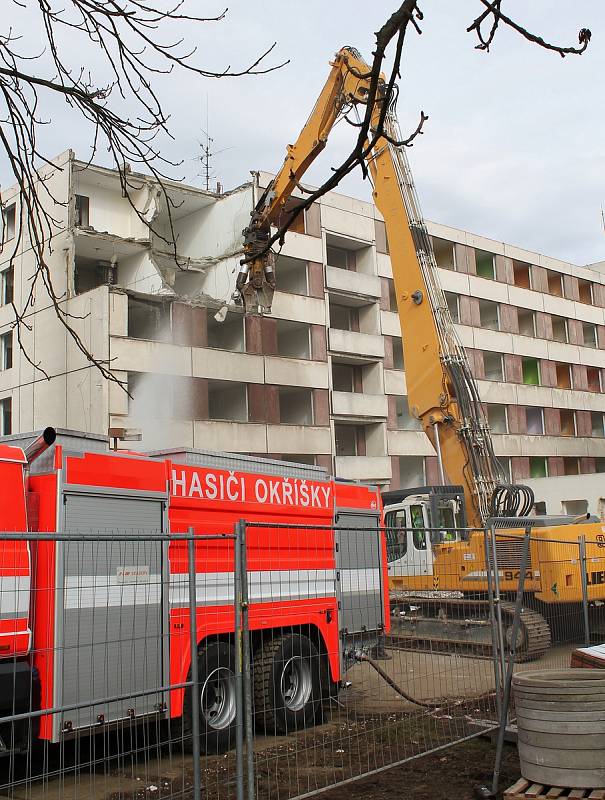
{"x":513,"y":148}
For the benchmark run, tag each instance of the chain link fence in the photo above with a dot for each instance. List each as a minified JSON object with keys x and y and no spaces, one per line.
{"x":310,"y":671}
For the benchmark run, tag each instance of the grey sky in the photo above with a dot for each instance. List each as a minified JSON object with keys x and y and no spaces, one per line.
{"x":514,"y":145}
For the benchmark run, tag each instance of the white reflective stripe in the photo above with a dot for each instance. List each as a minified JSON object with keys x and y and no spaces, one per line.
{"x":212,"y":588}
{"x":360,"y":580}
{"x":104,"y":591}
{"x":14,"y":596}
{"x":264,"y":586}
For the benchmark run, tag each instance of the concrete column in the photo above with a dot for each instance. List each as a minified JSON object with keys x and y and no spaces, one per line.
{"x":254,"y":342}
{"x":552,"y":422}
{"x":601,"y":336}
{"x":517,"y":422}
{"x":321,"y":407}
{"x":579,"y":377}
{"x":199,"y":326}
{"x":548,"y":373}
{"x":268,"y":327}
{"x":469,"y":311}
{"x":272,"y":404}
{"x":391,"y":412}
{"x":539,"y":279}
{"x":315,"y":277}
{"x":509,"y":321}
{"x":431,"y":470}
{"x":504,"y":269}
{"x":465,"y":259}
{"x":388,"y":352}
{"x":385,"y":301}
{"x":543,"y":325}
{"x":556,"y":466}
{"x":182,"y":327}
{"x":513,"y":369}
{"x":598,"y":294}
{"x":519,"y":467}
{"x":583,"y":423}
{"x":256,"y":403}
{"x":313,"y":220}
{"x":588,"y":465}
{"x":325,"y":460}
{"x":571,"y":288}
{"x":360,"y":435}
{"x":575,"y":331}
{"x":395,"y":474}
{"x":319,"y":344}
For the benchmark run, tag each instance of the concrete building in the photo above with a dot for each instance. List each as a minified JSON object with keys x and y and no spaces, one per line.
{"x":320,"y":380}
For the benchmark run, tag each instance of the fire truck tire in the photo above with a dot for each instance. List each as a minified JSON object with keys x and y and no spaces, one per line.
{"x":287,"y":684}
{"x":216,"y":700}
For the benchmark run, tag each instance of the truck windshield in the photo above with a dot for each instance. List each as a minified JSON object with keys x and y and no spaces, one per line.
{"x":396,"y":534}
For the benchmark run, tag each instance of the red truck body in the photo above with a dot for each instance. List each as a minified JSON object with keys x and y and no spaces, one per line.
{"x":94,"y":627}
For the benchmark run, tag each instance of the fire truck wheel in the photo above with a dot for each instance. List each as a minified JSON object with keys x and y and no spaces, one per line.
{"x":287,"y":684}
{"x":216,"y":699}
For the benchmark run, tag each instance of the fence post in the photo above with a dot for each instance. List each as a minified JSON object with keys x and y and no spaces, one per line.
{"x":493,"y":623}
{"x":247,"y":687}
{"x":496,"y":573}
{"x":583,"y":572}
{"x":195,"y":684}
{"x":239,"y":662}
{"x":511,"y":660}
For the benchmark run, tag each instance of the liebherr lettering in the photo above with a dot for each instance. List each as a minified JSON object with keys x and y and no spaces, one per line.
{"x":220,"y":485}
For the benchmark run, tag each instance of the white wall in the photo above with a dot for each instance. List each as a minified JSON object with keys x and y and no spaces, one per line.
{"x":555,"y":492}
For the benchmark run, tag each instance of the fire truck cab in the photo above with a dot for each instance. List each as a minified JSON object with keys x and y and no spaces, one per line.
{"x":95,"y":616}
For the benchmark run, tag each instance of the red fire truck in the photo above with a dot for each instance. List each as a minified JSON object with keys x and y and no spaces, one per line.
{"x":95,"y":629}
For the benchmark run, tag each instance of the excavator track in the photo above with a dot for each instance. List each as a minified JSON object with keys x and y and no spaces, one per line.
{"x":463,"y":625}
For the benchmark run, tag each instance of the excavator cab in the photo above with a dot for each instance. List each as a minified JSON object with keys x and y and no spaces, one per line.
{"x":418,"y":520}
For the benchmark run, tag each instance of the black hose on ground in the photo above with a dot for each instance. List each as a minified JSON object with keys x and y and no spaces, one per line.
{"x":386,"y":677}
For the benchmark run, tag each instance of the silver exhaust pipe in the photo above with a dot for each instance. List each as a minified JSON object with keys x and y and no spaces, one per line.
{"x":39,"y":445}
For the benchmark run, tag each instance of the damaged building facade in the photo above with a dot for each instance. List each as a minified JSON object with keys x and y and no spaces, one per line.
{"x":320,"y":380}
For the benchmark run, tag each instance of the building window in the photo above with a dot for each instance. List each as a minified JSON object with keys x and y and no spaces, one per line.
{"x":392,"y":295}
{"x":559,"y":329}
{"x":295,"y":406}
{"x":598,"y":426}
{"x":148,"y":320}
{"x":489,"y":315}
{"x":492,"y":366}
{"x":339,"y":257}
{"x":600,"y":464}
{"x":397,"y":353}
{"x":453,"y":304}
{"x":6,"y":416}
{"x":345,"y":377}
{"x":382,"y":241}
{"x":568,"y":422}
{"x":293,"y":339}
{"x":343,"y":318}
{"x":347,"y":439}
{"x":291,"y":275}
{"x":527,"y":322}
{"x":227,"y":335}
{"x":571,"y":466}
{"x":497,"y":418}
{"x":534,"y":421}
{"x":485,"y":264}
{"x":522,"y":275}
{"x":411,"y":471}
{"x":6,"y":350}
{"x":444,"y":252}
{"x":405,"y":421}
{"x":585,"y":289}
{"x":7,"y":281}
{"x":82,"y":211}
{"x":531,"y":371}
{"x":593,"y":375}
{"x":505,"y":464}
{"x":590,"y":334}
{"x":9,"y":216}
{"x":563,"y":372}
{"x":538,"y":467}
{"x":555,"y":282}
{"x":227,"y":401}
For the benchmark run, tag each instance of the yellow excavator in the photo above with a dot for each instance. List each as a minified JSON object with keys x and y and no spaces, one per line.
{"x":436,"y":538}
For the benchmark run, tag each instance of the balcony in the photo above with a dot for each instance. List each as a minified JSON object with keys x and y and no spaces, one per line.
{"x":360,"y":345}
{"x":359,"y":405}
{"x":364,"y":468}
{"x":310,"y":439}
{"x":351,"y":282}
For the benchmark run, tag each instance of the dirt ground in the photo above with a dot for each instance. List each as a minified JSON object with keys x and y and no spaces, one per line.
{"x":450,"y":775}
